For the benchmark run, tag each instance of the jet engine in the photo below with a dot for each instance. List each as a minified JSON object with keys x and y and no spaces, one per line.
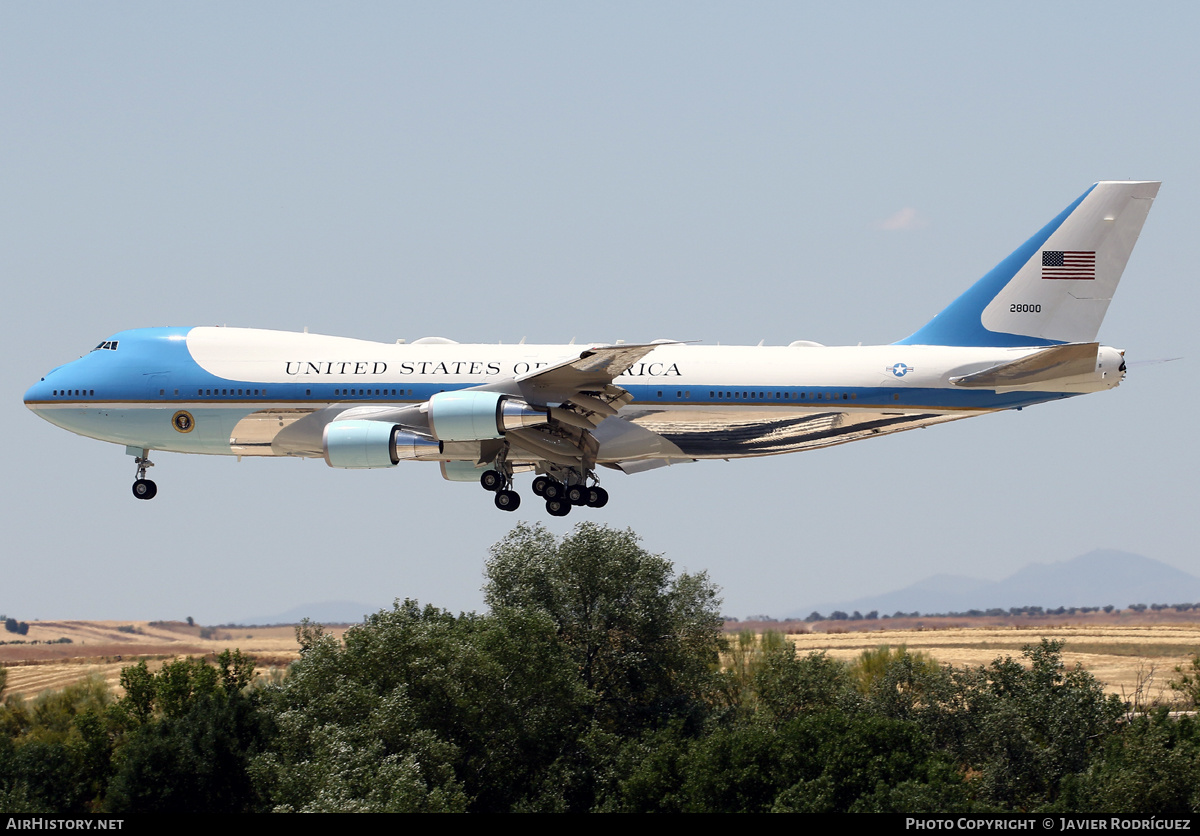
{"x":360,"y":444}
{"x":477,"y":416}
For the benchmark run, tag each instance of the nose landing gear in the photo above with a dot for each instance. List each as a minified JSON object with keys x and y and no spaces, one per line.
{"x":144,"y":488}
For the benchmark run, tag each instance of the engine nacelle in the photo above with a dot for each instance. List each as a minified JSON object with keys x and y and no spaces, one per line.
{"x":361,"y":444}
{"x":461,"y":471}
{"x":478,"y":416}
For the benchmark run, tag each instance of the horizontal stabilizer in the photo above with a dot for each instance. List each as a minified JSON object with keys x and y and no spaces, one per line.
{"x":1049,"y":364}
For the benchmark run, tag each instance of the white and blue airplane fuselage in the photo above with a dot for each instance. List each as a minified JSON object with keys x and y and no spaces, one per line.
{"x":1023,"y":334}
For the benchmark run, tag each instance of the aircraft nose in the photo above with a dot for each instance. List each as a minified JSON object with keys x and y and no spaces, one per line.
{"x":42,"y":391}
{"x":35,"y":393}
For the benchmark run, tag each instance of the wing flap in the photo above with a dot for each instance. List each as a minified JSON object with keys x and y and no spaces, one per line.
{"x":590,"y":375}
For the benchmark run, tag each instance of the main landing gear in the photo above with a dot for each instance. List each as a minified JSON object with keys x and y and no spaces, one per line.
{"x":500,"y":484}
{"x":559,"y":495}
{"x":144,"y":488}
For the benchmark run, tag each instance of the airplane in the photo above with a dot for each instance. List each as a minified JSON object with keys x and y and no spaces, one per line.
{"x":1023,"y":334}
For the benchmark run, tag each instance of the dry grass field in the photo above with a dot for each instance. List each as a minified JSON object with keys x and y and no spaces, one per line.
{"x":1120,"y":657}
{"x":1120,"y":652}
{"x":1123,"y":650}
{"x":102,"y":648}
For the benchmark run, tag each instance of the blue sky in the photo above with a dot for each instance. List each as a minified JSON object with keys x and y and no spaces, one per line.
{"x":718,"y":172}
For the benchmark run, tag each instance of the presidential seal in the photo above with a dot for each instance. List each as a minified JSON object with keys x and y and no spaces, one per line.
{"x":183,"y":421}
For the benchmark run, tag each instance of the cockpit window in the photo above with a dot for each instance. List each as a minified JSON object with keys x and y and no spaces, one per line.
{"x":108,"y":345}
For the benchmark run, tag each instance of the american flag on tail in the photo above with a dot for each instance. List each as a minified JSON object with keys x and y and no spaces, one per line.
{"x":1068,"y":264}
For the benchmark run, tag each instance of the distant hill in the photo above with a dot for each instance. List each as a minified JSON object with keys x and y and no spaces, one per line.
{"x":323,"y":612}
{"x":1100,"y":577}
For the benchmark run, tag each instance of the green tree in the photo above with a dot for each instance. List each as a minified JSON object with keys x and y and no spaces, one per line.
{"x":194,"y":760}
{"x":186,"y":736}
{"x":873,"y":666}
{"x":823,"y":761}
{"x":789,"y":686}
{"x":175,"y":688}
{"x":54,"y":752}
{"x":418,"y":710}
{"x":644,"y":641}
{"x":1186,"y":683}
{"x":1150,"y":765}
{"x":1028,"y":728}
{"x":742,"y":659}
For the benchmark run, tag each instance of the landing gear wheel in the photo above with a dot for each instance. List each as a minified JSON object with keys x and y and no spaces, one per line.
{"x":144,"y":489}
{"x":597,"y":497}
{"x":558,"y":507}
{"x":554,"y":489}
{"x":539,"y":485}
{"x":491,"y":480}
{"x":508,"y":500}
{"x":577,"y":495}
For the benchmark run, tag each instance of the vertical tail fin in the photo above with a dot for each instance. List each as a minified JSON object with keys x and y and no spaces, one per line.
{"x":1054,"y":288}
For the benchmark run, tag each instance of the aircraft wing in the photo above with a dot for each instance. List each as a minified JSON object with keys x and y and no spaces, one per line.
{"x":593,"y":370}
{"x":580,"y":395}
